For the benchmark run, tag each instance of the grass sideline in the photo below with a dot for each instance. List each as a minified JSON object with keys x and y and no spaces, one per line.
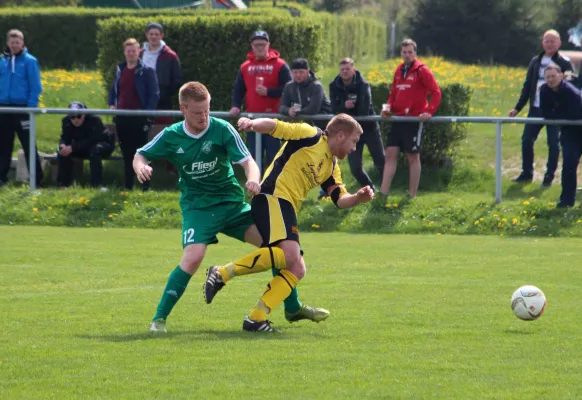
{"x":412,"y":317}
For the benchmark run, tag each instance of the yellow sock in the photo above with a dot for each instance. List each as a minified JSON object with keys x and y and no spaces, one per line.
{"x":259,"y":260}
{"x":277,"y":290}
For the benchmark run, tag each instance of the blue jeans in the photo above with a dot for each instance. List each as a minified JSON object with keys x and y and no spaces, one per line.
{"x":571,"y":140}
{"x":530,"y":134}
{"x":270,"y":146}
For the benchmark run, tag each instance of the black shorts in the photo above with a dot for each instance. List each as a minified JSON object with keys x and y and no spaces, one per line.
{"x":406,"y":135}
{"x":275,"y":219}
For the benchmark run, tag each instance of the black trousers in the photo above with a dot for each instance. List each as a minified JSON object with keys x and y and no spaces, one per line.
{"x":133,"y":133}
{"x":94,"y":154}
{"x":571,"y":140}
{"x":373,"y":139}
{"x":9,"y":125}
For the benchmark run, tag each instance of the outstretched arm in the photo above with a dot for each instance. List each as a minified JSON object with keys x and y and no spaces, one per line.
{"x":363,"y":195}
{"x":260,"y":125}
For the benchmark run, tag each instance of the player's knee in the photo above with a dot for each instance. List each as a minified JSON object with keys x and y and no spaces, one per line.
{"x":298,"y":269}
{"x":191,"y":261}
{"x":413,"y":158}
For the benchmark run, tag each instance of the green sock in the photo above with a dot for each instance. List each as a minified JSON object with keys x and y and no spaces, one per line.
{"x":175,"y":288}
{"x":292,"y":304}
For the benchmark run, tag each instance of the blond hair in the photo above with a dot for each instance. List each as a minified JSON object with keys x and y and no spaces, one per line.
{"x":552,"y":32}
{"x":193,"y":91}
{"x":130,"y":42}
{"x":347,"y":61}
{"x":15,"y":33}
{"x":343,"y":123}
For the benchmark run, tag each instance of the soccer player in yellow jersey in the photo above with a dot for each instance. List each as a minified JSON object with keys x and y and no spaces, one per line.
{"x":307,"y":159}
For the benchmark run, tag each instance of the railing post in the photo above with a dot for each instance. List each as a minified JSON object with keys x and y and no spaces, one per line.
{"x":32,"y":151}
{"x":498,"y":162}
{"x":259,"y":151}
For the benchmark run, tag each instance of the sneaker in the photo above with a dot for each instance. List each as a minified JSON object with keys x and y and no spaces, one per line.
{"x":523,"y":178}
{"x":213,"y":284}
{"x":547,"y":182}
{"x":257,"y":326}
{"x":158,"y":326}
{"x":306,"y":312}
{"x":564,"y":205}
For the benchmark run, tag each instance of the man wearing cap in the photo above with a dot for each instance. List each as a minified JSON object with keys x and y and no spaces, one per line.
{"x":20,"y":86}
{"x":260,"y":82}
{"x":304,"y":95}
{"x":83,"y":137}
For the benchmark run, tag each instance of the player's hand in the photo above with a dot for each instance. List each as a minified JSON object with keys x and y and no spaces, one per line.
{"x":254,"y":187}
{"x":235,"y":111}
{"x":112,"y":107}
{"x":513,"y":113}
{"x":365,"y":194}
{"x":424,"y":116}
{"x":245,"y":124}
{"x":144,"y":173}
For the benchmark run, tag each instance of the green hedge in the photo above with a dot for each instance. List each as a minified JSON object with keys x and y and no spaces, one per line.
{"x":438,"y":140}
{"x":66,"y":37}
{"x":211,"y":49}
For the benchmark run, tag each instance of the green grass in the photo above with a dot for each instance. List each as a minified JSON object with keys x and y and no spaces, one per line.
{"x":412,"y":318}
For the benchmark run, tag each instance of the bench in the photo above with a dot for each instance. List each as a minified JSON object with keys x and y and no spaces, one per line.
{"x":46,"y":159}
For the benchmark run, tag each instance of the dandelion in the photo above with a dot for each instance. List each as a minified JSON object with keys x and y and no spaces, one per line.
{"x":499,"y":224}
{"x":395,"y":205}
{"x":550,"y":235}
{"x":34,"y":199}
{"x":388,"y":205}
{"x":532,"y":198}
{"x":36,"y":220}
{"x":315,"y":226}
{"x":533,"y":217}
{"x":550,"y":203}
{"x":526,"y":203}
{"x":579,"y":221}
{"x":431,"y":223}
{"x":481,"y":219}
{"x":114,"y":204}
{"x":514,"y":221}
{"x":504,"y":220}
{"x":495,"y":215}
{"x":50,"y":208}
{"x":476,"y":222}
{"x":124,"y":201}
{"x":438,"y":234}
{"x":110,"y":215}
{"x":35,"y":210}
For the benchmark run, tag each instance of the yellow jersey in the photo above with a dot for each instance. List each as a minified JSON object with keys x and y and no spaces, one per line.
{"x":303,"y":162}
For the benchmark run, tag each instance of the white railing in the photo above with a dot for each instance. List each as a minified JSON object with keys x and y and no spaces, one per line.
{"x":33,"y":112}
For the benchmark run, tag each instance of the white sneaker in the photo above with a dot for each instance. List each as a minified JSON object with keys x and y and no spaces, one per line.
{"x":158,"y":326}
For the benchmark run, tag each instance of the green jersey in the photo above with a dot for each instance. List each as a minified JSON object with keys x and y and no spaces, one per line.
{"x":203,"y":161}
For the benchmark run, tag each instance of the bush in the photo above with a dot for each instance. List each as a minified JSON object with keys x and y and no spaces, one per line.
{"x":202,"y":42}
{"x":66,"y":37}
{"x":438,"y":140}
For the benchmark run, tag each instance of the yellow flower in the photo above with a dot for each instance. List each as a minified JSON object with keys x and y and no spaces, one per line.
{"x":438,"y":234}
{"x":526,"y":203}
{"x":36,"y":220}
{"x":579,"y":221}
{"x":550,"y":234}
{"x":499,"y":224}
{"x":34,"y":199}
{"x":533,"y":217}
{"x":114,"y":204}
{"x":50,"y":208}
{"x":395,"y":205}
{"x":503,"y":220}
{"x":110,"y":215}
{"x":35,"y":209}
{"x":550,"y":203}
{"x":124,"y":201}
{"x":514,"y":221}
{"x":388,"y":205}
{"x":481,"y":219}
{"x":532,"y":198}
{"x":315,"y":226}
{"x":476,"y":222}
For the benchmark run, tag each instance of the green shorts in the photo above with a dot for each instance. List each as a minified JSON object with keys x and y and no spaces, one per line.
{"x":201,"y":225}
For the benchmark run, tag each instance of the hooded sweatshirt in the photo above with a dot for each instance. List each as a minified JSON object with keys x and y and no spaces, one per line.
{"x":309,"y":94}
{"x":20,"y":83}
{"x":150,"y":58}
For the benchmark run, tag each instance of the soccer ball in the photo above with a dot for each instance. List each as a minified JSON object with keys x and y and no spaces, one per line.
{"x":528,"y":303}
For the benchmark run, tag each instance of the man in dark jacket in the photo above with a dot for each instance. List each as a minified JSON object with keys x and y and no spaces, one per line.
{"x":135,"y":87}
{"x":531,"y":92}
{"x":20,"y":86}
{"x":85,"y":137}
{"x":561,"y":100}
{"x":351,"y":94}
{"x":260,"y":82}
{"x":304,"y":95}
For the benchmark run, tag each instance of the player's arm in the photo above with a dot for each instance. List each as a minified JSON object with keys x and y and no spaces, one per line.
{"x":253,"y":174}
{"x":151,"y":151}
{"x":278,"y":129}
{"x":340,"y":196}
{"x":239,"y":154}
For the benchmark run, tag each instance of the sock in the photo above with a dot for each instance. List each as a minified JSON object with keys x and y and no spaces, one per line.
{"x":175,"y":288}
{"x":292,"y":303}
{"x":278,"y":290}
{"x":257,"y":261}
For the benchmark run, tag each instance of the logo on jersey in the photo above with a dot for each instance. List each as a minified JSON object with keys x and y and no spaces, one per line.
{"x":312,"y":171}
{"x":200,"y":167}
{"x":207,"y":147}
{"x":180,"y":151}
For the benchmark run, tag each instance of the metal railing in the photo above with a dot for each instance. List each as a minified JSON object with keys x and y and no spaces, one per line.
{"x":33,"y":112}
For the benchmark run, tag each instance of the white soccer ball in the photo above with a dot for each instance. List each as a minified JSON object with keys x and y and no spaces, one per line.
{"x":528,"y":303}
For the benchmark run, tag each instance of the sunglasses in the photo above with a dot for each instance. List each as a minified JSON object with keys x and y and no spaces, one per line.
{"x":74,"y":117}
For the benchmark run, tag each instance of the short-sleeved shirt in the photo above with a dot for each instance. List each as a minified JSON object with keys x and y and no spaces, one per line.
{"x":204,"y":161}
{"x":303,"y":162}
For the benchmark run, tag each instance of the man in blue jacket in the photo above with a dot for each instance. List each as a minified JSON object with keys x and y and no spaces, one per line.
{"x":562,"y":100}
{"x":135,"y":87}
{"x":20,"y":86}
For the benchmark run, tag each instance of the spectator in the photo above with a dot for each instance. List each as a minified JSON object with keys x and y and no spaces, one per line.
{"x":304,"y":95}
{"x":20,"y":86}
{"x":351,"y":94}
{"x":84,"y":137}
{"x":135,"y":87}
{"x":531,"y":92}
{"x":561,"y":100}
{"x":412,"y":83}
{"x":157,"y":55}
{"x":262,"y":79}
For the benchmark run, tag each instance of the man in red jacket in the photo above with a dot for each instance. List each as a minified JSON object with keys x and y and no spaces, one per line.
{"x":412,"y":83}
{"x":261,"y":80}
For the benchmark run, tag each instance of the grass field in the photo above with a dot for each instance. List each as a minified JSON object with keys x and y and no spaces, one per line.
{"x":413,"y":317}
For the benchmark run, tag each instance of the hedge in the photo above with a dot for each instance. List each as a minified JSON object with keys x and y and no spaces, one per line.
{"x":66,"y":37}
{"x":211,"y":49}
{"x":438,"y":140}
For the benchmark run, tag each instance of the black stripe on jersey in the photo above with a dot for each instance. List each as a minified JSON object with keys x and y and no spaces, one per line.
{"x":291,"y":147}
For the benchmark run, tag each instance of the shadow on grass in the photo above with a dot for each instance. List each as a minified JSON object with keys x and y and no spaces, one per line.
{"x":205,"y":335}
{"x":518,"y":332}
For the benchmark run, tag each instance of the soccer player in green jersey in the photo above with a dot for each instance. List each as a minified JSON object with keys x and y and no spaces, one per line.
{"x":202,"y":148}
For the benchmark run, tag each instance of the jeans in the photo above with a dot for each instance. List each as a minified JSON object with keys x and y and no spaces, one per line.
{"x":530,"y":134}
